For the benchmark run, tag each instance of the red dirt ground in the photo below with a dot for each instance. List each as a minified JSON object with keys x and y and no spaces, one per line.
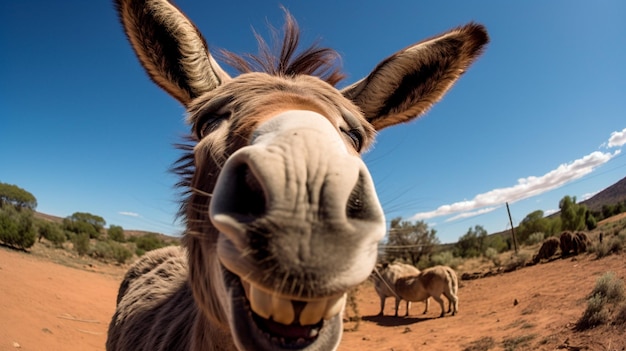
{"x":48,"y":306}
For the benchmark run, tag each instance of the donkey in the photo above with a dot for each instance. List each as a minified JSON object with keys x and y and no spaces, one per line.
{"x":281,"y":214}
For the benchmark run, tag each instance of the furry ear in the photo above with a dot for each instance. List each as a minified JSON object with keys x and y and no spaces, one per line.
{"x":407,"y":84}
{"x":170,"y":48}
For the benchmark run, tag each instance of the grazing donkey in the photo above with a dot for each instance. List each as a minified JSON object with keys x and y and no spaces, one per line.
{"x":280,"y":211}
{"x":385,"y":276}
{"x":434,"y":281}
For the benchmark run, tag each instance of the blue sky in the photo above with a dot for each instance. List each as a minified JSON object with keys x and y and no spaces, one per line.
{"x":541,"y":115}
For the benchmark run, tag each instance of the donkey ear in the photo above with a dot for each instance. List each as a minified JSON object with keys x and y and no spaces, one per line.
{"x":407,"y":84}
{"x":170,"y":48}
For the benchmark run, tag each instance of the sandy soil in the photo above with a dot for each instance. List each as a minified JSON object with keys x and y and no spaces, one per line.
{"x":48,"y":306}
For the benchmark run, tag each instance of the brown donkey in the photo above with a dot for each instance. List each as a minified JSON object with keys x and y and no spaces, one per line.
{"x":281,"y":214}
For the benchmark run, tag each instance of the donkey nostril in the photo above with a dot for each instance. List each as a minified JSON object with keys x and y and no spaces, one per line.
{"x":247,"y":201}
{"x":357,"y":206}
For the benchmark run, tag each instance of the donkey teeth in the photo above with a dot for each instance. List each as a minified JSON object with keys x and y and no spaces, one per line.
{"x":313,"y":312}
{"x":261,"y":302}
{"x":334,"y":306}
{"x":281,"y":310}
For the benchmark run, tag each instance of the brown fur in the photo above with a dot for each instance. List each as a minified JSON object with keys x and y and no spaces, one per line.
{"x":434,"y":282}
{"x":566,"y":243}
{"x":385,"y":280}
{"x":253,"y":226}
{"x":583,"y":242}
{"x":548,"y":249}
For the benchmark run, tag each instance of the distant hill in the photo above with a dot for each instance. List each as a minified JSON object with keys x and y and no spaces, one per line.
{"x":614,"y":194}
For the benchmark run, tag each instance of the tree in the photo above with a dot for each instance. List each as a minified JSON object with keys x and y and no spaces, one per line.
{"x":83,"y":222}
{"x":590,"y":221}
{"x":572,"y":214}
{"x":409,"y":241}
{"x":16,"y":196}
{"x":534,"y":222}
{"x":116,"y":233}
{"x":16,"y":227}
{"x":473,"y":243}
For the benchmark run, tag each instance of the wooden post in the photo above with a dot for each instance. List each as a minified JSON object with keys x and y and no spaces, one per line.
{"x":512,"y":228}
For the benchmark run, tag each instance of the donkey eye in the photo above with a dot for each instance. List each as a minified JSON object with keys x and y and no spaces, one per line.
{"x":208,"y":123}
{"x":356,"y":137}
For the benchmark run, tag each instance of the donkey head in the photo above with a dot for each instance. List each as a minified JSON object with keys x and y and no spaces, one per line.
{"x":282,"y":215}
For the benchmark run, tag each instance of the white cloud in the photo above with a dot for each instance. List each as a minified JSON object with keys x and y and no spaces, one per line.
{"x":617,"y":138}
{"x":472,"y":214}
{"x":587,"y":196}
{"x":130,"y":214}
{"x":549,"y":212}
{"x":525,"y":188}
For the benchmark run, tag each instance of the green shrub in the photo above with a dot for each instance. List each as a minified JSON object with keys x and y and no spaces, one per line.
{"x":596,"y":314}
{"x":81,"y":243}
{"x":51,"y":232}
{"x":446,"y":258}
{"x":613,"y":244}
{"x":608,"y":294}
{"x":121,"y":253}
{"x":111,"y":250}
{"x":116,"y":233}
{"x":147,"y":242}
{"x":492,"y":255}
{"x":535,"y":238}
{"x":610,"y":288}
{"x":16,"y":226}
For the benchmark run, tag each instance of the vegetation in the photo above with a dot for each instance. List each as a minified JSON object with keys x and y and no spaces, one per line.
{"x":111,"y":250}
{"x":51,"y":232}
{"x":83,"y":222}
{"x":410,"y":242}
{"x":476,"y":242}
{"x":16,"y":196}
{"x":607,"y":296}
{"x":16,"y":226}
{"x":147,"y":242}
{"x":81,"y":243}
{"x":573,"y":215}
{"x":116,"y":233}
{"x":535,"y":222}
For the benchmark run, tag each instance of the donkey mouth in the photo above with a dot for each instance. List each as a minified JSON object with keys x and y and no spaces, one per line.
{"x":272,"y":322}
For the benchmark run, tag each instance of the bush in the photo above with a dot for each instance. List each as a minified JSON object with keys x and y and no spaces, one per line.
{"x":492,"y":255}
{"x":608,"y":290}
{"x":595,"y":314}
{"x":51,"y":232}
{"x":535,"y":238}
{"x":446,"y":258}
{"x":610,"y":245}
{"x":111,"y":250}
{"x":147,"y":242}
{"x":116,"y":233}
{"x":81,"y":243}
{"x":16,"y":227}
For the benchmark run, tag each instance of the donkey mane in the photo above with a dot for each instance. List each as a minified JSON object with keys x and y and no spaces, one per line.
{"x":286,"y":61}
